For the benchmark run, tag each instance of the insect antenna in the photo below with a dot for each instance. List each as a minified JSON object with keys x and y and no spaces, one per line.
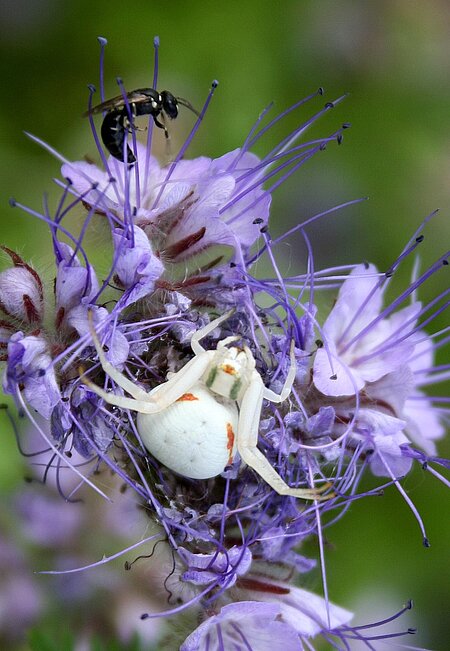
{"x":184,"y":102}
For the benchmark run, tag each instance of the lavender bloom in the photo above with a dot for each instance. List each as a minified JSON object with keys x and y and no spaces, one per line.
{"x":286,"y":615}
{"x":75,"y":285}
{"x":244,"y":625}
{"x":298,"y":614}
{"x":137,"y":267}
{"x":362,"y":346}
{"x":185,"y":209}
{"x":30,"y":365}
{"x":185,"y":240}
{"x":218,"y":568}
{"x":377,"y":354}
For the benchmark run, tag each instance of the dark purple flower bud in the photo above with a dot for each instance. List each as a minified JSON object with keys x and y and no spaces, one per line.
{"x":30,"y":366}
{"x":220,"y":568}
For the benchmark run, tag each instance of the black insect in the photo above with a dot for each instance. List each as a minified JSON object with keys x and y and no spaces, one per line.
{"x":120,"y":114}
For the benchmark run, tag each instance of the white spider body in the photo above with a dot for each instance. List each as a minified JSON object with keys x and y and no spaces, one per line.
{"x":197,"y":420}
{"x":195,"y":436}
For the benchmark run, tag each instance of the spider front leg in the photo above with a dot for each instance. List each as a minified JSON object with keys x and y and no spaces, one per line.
{"x":287,"y":386}
{"x":197,"y":348}
{"x":157,"y":399}
{"x":247,"y":439}
{"x":119,"y":378}
{"x":181,"y":382}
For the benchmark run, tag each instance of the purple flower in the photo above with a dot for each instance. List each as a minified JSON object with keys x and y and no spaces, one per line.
{"x":382,"y":437}
{"x":361,"y":345}
{"x":137,"y":268}
{"x":112,"y":337}
{"x":185,"y":209}
{"x":381,"y":356}
{"x":75,"y":285}
{"x":279,"y":614}
{"x":244,"y":626}
{"x":307,"y":613}
{"x":30,"y":366}
{"x":219,"y":568}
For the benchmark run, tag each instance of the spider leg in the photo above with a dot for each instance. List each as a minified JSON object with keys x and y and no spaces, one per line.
{"x":247,"y":439}
{"x":285,"y":391}
{"x":228,"y":340}
{"x":159,"y":398}
{"x":119,"y":378}
{"x":181,"y":382}
{"x":206,"y":330}
{"x":143,"y":406}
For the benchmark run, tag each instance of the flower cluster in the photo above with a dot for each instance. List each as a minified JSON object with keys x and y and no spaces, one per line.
{"x":312,"y":405}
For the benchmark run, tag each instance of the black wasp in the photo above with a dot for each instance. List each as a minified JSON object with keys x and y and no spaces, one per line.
{"x":143,"y":101}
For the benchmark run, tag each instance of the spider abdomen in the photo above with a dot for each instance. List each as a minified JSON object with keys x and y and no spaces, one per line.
{"x":195,"y":436}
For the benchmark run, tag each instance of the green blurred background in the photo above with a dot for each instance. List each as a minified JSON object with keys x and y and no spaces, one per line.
{"x":392,"y":57}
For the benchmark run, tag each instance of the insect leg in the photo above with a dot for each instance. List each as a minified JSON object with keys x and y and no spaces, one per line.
{"x":160,"y":125}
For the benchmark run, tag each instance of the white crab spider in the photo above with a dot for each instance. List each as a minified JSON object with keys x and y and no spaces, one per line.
{"x":196,"y":421}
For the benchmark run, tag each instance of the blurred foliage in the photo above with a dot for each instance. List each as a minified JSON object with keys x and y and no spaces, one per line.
{"x":391,"y":56}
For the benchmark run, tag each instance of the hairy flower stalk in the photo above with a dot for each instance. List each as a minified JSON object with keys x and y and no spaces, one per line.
{"x":184,"y":240}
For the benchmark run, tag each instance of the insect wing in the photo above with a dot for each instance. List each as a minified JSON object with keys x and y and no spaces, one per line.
{"x":134,"y":97}
{"x":108,"y":105}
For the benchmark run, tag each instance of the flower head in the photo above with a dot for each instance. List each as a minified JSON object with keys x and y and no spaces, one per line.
{"x":376,"y":354}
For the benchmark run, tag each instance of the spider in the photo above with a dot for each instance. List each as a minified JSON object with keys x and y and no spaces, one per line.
{"x":196,"y":421}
